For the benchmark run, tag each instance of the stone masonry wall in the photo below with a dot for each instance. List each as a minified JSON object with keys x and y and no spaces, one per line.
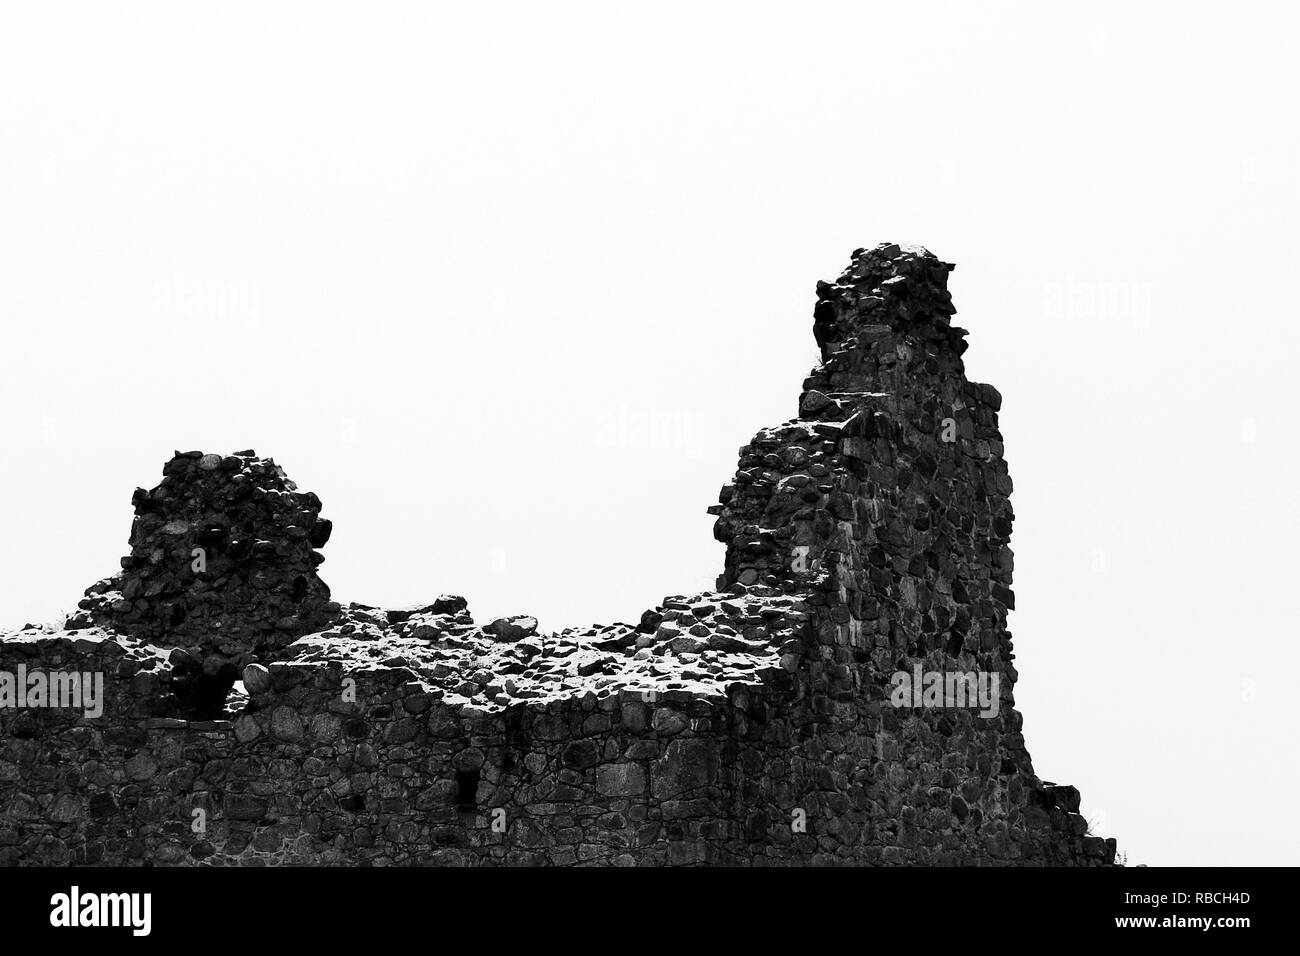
{"x":247,"y":719}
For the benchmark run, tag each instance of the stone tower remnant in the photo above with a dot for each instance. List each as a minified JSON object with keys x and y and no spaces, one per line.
{"x":843,"y":696}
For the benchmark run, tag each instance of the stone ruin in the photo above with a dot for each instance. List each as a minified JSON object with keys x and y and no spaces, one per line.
{"x":247,"y":718}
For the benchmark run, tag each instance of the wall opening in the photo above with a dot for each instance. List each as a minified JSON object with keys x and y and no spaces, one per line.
{"x":202,"y":696}
{"x":354,"y":803}
{"x":467,"y":790}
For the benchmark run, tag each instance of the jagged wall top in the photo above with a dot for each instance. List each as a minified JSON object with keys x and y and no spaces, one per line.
{"x":222,"y":559}
{"x":900,"y":288}
{"x":867,"y":538}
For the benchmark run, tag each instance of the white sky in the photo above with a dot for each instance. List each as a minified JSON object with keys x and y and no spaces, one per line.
{"x":508,"y":286}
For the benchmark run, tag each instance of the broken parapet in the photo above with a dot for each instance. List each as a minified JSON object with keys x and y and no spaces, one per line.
{"x":222,"y":564}
{"x":759,"y":723}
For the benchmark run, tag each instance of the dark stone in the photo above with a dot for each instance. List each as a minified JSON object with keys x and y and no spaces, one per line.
{"x":857,"y":545}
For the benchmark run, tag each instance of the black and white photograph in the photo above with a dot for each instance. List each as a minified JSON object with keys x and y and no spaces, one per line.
{"x":609,"y":436}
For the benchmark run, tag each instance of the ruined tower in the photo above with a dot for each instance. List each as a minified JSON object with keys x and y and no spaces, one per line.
{"x":867,"y":545}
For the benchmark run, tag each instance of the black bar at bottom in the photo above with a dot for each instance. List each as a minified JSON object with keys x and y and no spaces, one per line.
{"x":341,"y":906}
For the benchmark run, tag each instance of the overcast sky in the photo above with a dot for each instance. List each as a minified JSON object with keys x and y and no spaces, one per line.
{"x":509,"y":285}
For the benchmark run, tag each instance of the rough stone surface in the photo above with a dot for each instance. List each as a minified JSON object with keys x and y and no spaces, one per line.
{"x":751,"y":724}
{"x":223,"y":564}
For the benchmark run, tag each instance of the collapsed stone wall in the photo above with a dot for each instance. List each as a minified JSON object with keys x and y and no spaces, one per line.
{"x":755,"y":724}
{"x":200,"y":570}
